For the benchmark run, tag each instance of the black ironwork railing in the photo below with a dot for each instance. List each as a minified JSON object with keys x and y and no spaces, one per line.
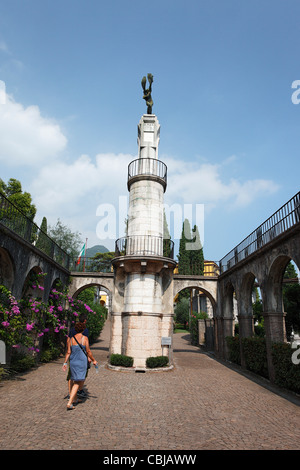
{"x":144,"y":245}
{"x":208,"y":269}
{"x":147,"y":167}
{"x":91,"y":265}
{"x":14,"y":219}
{"x":285,"y":218}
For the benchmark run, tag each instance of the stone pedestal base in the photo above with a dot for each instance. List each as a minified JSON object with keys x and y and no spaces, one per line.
{"x":145,"y":308}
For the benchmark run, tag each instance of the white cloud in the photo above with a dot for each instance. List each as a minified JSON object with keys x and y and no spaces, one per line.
{"x":190,"y":183}
{"x":65,"y":186}
{"x":74,"y":191}
{"x":26,"y":137}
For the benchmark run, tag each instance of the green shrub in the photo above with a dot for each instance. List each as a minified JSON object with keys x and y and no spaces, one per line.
{"x":158,"y":361}
{"x":121,"y":360}
{"x":21,"y":362}
{"x":3,"y":373}
{"x":50,"y":354}
{"x":255,"y":354}
{"x":287,"y":374}
{"x":233,"y":344}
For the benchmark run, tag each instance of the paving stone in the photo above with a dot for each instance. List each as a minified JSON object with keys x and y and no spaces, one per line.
{"x":202,"y":404}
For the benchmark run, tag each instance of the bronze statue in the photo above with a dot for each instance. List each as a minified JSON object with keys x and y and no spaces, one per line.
{"x":147,"y":92}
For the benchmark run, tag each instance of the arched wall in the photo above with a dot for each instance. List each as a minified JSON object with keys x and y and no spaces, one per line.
{"x":268,"y":267}
{"x":18,"y":257}
{"x":208,"y":287}
{"x":81,"y":282}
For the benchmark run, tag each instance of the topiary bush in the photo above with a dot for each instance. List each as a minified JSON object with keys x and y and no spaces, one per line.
{"x":121,"y":360}
{"x":158,"y":361}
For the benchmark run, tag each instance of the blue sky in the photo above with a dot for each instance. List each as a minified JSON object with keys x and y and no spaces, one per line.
{"x":223,"y":73}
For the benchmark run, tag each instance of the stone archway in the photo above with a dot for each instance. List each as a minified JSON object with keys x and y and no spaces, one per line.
{"x":208,"y":287}
{"x":80,"y":282}
{"x":101,"y":287}
{"x":206,"y":327}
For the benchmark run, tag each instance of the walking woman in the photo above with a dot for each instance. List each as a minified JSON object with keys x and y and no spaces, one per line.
{"x":78,"y":349}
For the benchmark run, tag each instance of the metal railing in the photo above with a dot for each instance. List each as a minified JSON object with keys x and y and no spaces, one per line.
{"x":144,"y":245}
{"x":282,"y":220}
{"x":147,"y":167}
{"x":210,"y":269}
{"x":15,"y":220}
{"x":91,"y":265}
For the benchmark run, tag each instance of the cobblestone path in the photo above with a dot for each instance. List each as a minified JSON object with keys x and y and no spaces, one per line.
{"x":200,"y":404}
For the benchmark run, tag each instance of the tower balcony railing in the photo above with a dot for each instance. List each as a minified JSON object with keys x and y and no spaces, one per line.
{"x":151,"y":167}
{"x":144,"y":245}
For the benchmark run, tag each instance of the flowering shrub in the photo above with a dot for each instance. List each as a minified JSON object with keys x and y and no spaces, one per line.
{"x":29,"y":322}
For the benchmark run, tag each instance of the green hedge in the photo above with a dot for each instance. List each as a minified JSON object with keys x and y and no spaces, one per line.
{"x":287,"y":374}
{"x":121,"y":360}
{"x":255,"y":354}
{"x":233,"y":344}
{"x":254,"y":350}
{"x":158,"y":361}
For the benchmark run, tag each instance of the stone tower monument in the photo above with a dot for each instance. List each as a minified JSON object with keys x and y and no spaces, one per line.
{"x":142,"y":308}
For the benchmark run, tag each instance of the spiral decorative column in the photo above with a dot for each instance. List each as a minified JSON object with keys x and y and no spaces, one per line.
{"x":143,"y":266}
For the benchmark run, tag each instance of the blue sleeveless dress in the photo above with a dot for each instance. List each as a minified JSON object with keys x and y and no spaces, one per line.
{"x":78,"y":361}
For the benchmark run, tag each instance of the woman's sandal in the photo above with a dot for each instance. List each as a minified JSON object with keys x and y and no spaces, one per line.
{"x":77,"y":401}
{"x":70,"y":407}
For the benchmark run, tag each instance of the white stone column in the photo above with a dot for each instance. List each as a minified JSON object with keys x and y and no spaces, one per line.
{"x":141,"y":259}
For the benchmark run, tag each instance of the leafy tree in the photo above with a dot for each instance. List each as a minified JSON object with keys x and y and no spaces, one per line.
{"x":101,"y":262}
{"x":10,"y":215}
{"x":67,"y":240}
{"x":182,"y":310}
{"x":257,"y":306}
{"x":23,"y":201}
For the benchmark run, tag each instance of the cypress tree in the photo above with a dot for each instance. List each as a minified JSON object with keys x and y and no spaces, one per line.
{"x":196,"y":254}
{"x":183,"y":255}
{"x":166,"y":238}
{"x":190,"y":257}
{"x":43,"y":242}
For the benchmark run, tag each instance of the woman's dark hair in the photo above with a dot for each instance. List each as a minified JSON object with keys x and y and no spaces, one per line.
{"x":82,"y":317}
{"x":79,"y":327}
